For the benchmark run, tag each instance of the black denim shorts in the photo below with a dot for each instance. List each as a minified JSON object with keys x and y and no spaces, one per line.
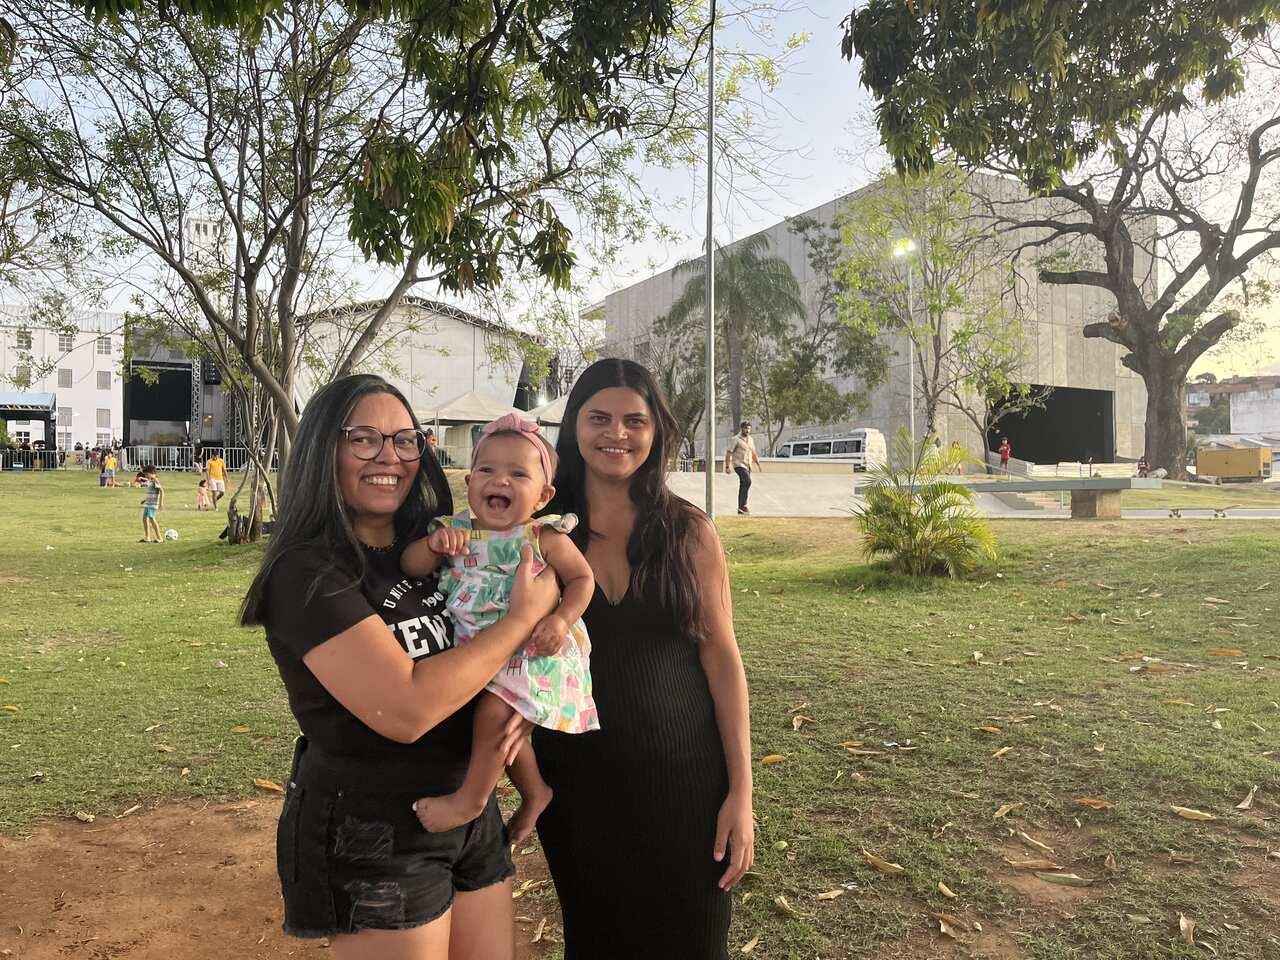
{"x":354,"y":859}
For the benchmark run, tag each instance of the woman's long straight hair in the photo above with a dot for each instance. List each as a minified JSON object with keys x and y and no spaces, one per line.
{"x":311,"y":515}
{"x":663,"y":542}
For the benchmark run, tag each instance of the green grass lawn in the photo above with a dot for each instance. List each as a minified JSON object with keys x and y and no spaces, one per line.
{"x":1204,"y":496}
{"x":906,"y":714}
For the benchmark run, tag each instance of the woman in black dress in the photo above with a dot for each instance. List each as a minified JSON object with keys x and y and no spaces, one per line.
{"x":650,"y":824}
{"x":383,"y":698}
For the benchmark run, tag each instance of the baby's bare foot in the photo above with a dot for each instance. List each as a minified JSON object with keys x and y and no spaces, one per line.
{"x":439,"y":814}
{"x":522,"y":822}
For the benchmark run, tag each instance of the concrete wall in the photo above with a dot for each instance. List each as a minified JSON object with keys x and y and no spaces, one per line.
{"x":1257,"y":411}
{"x":1058,"y":355}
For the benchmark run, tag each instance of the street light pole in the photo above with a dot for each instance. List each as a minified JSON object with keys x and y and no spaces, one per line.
{"x":905,"y":248}
{"x":911,"y":350}
{"x":710,"y":273}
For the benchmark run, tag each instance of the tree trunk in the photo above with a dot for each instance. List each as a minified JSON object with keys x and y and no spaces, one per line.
{"x":1166,"y":430}
{"x":734,"y":343}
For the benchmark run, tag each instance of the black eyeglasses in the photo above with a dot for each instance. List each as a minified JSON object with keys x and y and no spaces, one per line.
{"x":365,"y":443}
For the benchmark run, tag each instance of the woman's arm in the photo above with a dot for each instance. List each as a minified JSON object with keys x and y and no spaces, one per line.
{"x":572,"y":569}
{"x":366,"y":671}
{"x":722,"y":663}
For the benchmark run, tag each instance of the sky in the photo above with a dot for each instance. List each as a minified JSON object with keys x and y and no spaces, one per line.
{"x":819,"y":114}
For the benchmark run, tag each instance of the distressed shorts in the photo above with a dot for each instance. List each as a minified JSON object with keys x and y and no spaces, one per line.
{"x":352,"y":860}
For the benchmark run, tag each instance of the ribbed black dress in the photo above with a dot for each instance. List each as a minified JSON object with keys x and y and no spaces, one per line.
{"x":629,"y":835}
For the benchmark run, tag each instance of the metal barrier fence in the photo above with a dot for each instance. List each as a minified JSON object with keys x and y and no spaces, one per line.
{"x":184,"y":458}
{"x":21,"y":460}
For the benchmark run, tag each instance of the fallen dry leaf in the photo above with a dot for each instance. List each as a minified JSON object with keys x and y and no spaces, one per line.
{"x":751,"y":944}
{"x":1095,"y":803}
{"x":1137,"y":918}
{"x":988,"y":729}
{"x":164,"y":748}
{"x":1225,"y":652}
{"x":1004,"y":810}
{"x":832,"y":894}
{"x":1065,"y":879}
{"x":1186,"y":813}
{"x":884,"y":866}
{"x":1215,"y":600}
{"x":85,"y":817}
{"x":1178,"y":703}
{"x":1187,"y":927}
{"x":771,"y":759}
{"x":1110,"y":863}
{"x":945,"y":891}
{"x":865,"y":753}
{"x":781,"y":903}
{"x":1032,"y":864}
{"x":1000,"y":753}
{"x":537,"y":934}
{"x":134,"y":809}
{"x":799,"y":720}
{"x":240,"y":729}
{"x":950,"y":926}
{"x":270,"y":785}
{"x":10,"y":708}
{"x":1035,"y":844}
{"x":1247,"y":802}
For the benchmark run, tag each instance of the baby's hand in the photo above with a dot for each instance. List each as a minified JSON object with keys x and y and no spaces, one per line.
{"x":549,"y":636}
{"x":448,"y":541}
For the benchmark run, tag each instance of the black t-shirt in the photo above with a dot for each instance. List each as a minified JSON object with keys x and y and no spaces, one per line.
{"x":299,"y":618}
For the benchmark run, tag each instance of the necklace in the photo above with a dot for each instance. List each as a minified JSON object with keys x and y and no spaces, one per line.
{"x":387,"y":549}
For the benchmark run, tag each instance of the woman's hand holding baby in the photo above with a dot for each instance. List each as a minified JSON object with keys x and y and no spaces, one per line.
{"x":448,"y":541}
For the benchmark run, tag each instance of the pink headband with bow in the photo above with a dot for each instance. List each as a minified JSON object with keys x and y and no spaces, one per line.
{"x":514,"y":423}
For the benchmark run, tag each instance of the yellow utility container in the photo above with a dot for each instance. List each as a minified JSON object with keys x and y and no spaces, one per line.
{"x":1253,"y":463}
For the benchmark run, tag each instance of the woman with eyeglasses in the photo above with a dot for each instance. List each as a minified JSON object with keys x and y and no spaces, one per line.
{"x":383,"y":699}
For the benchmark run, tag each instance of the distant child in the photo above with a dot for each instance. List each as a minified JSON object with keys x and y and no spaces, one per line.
{"x":152,"y":504}
{"x":510,"y":480}
{"x":202,"y":496}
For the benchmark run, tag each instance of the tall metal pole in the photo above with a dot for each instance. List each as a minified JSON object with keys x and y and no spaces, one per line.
{"x":710,"y":269}
{"x":911,"y":349}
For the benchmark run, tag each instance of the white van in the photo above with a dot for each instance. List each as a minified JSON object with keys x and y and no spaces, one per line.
{"x":863,"y":447}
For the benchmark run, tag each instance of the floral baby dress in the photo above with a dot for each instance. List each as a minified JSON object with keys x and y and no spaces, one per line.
{"x":553,"y":692}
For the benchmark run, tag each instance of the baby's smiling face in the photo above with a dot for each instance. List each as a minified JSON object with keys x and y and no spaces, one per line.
{"x":506,"y":485}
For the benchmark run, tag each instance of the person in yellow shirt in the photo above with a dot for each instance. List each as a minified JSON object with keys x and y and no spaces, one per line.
{"x":215,"y":471}
{"x":109,"y":469}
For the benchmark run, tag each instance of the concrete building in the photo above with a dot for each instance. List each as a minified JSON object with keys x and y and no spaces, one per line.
{"x":80,"y":366}
{"x":1254,"y":402}
{"x":1097,"y":409}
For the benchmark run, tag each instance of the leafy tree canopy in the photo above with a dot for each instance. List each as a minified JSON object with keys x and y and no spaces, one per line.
{"x":486,"y":70}
{"x":1044,"y":84}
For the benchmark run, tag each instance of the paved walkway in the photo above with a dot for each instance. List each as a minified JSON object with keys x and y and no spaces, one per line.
{"x":797,"y":495}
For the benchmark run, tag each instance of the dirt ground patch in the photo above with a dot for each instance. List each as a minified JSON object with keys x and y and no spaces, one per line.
{"x":181,"y":880}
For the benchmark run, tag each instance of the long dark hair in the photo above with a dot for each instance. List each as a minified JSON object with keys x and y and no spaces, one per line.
{"x":664,"y":540}
{"x":311,"y":515}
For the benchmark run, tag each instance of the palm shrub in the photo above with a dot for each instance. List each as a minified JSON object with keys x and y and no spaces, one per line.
{"x":922,"y":521}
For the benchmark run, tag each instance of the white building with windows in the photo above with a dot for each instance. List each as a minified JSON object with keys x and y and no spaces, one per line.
{"x":81,"y":368}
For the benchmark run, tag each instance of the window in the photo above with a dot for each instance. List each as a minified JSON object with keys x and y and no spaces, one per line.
{"x":104,"y":439}
{"x":22,"y":377}
{"x":22,"y":436}
{"x":24,"y":339}
{"x":799,"y":449}
{"x":821,"y":449}
{"x":64,"y":416}
{"x":857,"y":446}
{"x":66,"y":343}
{"x":104,"y":379}
{"x":104,"y":346}
{"x":104,"y":417}
{"x":23,"y":423}
{"x":64,"y":439}
{"x":842,"y":446}
{"x":784,"y":450}
{"x":64,"y":378}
